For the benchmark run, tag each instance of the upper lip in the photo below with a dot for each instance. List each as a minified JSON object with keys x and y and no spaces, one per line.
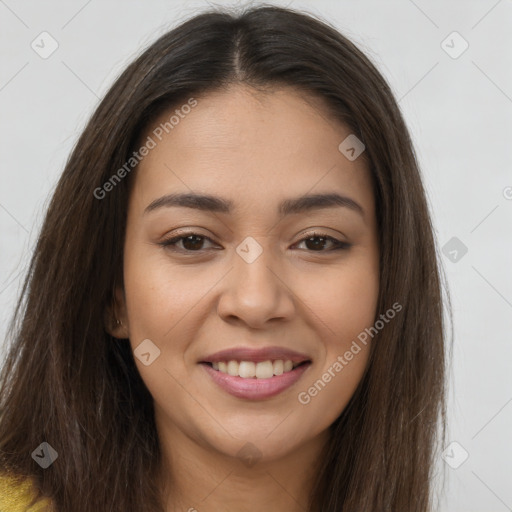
{"x":256,"y":355}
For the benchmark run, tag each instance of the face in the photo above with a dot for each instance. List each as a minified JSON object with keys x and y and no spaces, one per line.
{"x":242,"y":309}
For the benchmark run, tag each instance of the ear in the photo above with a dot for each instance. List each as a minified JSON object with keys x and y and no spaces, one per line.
{"x":116,"y":319}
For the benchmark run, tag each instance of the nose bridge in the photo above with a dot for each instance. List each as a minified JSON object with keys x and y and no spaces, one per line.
{"x":255,"y":292}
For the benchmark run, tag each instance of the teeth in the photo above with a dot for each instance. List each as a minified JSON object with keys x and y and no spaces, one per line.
{"x":263,"y":370}
{"x":250,"y":369}
{"x":233,"y":367}
{"x":246,"y":369}
{"x":278,"y":367}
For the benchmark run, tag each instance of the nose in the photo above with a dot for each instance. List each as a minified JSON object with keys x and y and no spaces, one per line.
{"x":256,"y":293}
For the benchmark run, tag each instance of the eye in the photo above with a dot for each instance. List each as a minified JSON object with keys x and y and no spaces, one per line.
{"x":191,"y":242}
{"x":194,"y":242}
{"x":316,"y":242}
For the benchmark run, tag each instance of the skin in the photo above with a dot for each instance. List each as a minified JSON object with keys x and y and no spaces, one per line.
{"x":255,"y":149}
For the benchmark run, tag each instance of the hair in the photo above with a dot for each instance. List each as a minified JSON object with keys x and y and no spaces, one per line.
{"x":68,"y":382}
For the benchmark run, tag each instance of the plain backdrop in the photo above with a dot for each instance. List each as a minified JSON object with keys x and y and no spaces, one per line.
{"x":455,"y":91}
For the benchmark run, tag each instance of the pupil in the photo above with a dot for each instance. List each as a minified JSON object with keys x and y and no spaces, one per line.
{"x":316,"y":245}
{"x":192,"y":242}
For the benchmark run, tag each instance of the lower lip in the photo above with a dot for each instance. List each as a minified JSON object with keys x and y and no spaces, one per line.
{"x":256,"y":389}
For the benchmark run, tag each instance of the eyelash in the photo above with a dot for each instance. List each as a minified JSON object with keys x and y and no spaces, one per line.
{"x":172,"y":242}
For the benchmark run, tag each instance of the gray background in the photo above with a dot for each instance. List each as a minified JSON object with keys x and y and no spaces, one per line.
{"x":459,"y":111}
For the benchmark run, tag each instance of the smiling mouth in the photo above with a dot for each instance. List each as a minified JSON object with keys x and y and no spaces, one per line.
{"x":256,"y":370}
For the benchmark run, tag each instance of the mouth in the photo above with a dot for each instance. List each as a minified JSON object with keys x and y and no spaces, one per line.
{"x":255,"y":374}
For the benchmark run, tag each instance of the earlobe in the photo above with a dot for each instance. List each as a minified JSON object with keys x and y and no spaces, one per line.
{"x":115,"y":320}
{"x":116,"y":327}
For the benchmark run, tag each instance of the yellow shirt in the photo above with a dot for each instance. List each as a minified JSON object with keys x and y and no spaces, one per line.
{"x":16,"y":497}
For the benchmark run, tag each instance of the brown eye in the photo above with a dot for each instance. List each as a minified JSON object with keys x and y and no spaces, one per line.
{"x":317,"y":242}
{"x":192,"y":242}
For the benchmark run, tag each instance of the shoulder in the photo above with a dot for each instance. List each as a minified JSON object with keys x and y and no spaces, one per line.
{"x":16,"y":496}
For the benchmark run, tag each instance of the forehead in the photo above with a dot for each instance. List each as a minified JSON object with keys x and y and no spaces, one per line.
{"x":240,"y":118}
{"x":238,"y":142}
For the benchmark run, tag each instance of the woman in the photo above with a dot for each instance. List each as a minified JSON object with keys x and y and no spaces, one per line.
{"x":234,"y":302}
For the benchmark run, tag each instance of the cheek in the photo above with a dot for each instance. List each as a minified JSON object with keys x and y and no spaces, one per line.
{"x":158,"y":296}
{"x":325,"y":396}
{"x":343,"y":301}
{"x":159,"y":302}
{"x":344,"y":306}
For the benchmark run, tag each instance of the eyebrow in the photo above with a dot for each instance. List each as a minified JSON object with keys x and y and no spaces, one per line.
{"x":209,"y":203}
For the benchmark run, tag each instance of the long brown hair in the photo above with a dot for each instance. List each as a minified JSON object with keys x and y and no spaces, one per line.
{"x":67,"y":382}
